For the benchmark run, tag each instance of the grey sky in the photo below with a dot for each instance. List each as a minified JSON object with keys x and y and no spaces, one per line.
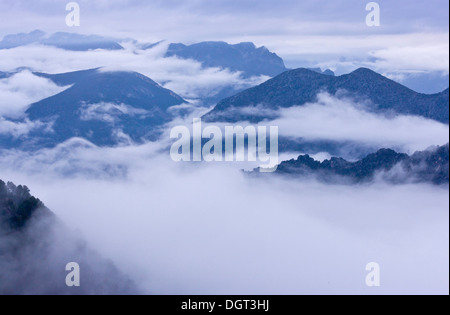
{"x":139,"y":16}
{"x":314,"y":31}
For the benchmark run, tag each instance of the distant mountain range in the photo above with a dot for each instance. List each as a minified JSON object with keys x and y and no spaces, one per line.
{"x":431,"y":166}
{"x":35,"y":249}
{"x":67,"y":41}
{"x":301,"y":86}
{"x":110,"y":108}
{"x":244,"y":57}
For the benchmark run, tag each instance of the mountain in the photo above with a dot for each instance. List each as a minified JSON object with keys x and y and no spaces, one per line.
{"x":67,"y":41}
{"x":22,"y":39}
{"x":103,"y":107}
{"x":35,"y":248}
{"x":301,"y":86}
{"x":431,"y":166}
{"x":244,"y":57}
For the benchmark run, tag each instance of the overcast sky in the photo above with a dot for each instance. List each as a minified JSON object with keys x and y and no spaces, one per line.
{"x":298,"y":30}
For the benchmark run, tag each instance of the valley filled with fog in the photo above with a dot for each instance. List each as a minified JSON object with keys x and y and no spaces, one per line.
{"x":209,"y":229}
{"x":89,"y":132}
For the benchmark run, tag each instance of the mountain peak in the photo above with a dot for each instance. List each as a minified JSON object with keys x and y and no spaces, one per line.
{"x":364,"y":71}
{"x":100,"y":105}
{"x":304,"y":72}
{"x":301,"y":86}
{"x":367,"y":74}
{"x":37,"y":33}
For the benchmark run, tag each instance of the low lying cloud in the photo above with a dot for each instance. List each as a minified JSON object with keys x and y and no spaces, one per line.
{"x":33,"y":262}
{"x":78,"y":157}
{"x":340,"y":119}
{"x":110,"y":112}
{"x":206,"y":228}
{"x":185,"y":77}
{"x":434,"y":57}
{"x":186,"y":228}
{"x":384,"y":53}
{"x":21,"y":90}
{"x":16,"y":129}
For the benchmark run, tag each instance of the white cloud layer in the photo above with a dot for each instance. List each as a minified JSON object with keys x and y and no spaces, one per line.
{"x":207,"y":229}
{"x":420,"y":51}
{"x":332,"y":118}
{"x":185,"y":77}
{"x":17,"y":129}
{"x":21,"y":90}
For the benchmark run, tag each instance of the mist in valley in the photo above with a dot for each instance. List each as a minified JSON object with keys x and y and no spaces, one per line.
{"x":207,"y":228}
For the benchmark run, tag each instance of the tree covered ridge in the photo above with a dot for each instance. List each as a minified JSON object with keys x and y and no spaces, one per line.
{"x":429,"y":166}
{"x":17,"y":205}
{"x":35,"y":248}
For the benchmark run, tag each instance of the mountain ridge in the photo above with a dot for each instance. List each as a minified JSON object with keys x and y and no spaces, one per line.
{"x":429,"y":166}
{"x":62,"y":40}
{"x":300,"y":86}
